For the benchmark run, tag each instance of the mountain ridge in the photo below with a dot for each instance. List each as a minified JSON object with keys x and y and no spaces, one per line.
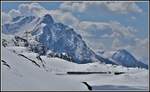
{"x":58,"y":38}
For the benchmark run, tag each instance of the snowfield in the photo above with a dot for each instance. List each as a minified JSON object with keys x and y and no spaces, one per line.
{"x":23,"y":75}
{"x":20,"y":73}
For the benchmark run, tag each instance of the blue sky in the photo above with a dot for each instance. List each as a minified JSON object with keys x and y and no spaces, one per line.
{"x":141,"y":23}
{"x":128,"y":19}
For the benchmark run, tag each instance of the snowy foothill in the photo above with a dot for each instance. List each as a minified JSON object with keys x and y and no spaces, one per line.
{"x":22,"y":74}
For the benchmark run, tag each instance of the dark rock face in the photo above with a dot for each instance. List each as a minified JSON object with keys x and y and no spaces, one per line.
{"x":61,"y":38}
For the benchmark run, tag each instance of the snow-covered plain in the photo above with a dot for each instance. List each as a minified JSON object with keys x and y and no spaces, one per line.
{"x":23,"y":75}
{"x":20,"y":73}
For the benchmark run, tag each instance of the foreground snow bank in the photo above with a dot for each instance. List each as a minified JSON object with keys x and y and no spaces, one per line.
{"x":23,"y":75}
{"x":20,"y":73}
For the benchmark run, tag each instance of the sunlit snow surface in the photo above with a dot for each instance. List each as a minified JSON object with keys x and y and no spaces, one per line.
{"x":24,"y":75}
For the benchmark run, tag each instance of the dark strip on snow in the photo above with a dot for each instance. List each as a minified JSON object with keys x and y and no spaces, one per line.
{"x":5,"y":63}
{"x":89,"y":87}
{"x":30,"y":60}
{"x":78,"y":72}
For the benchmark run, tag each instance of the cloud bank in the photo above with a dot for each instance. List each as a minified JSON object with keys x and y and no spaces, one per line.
{"x":115,"y":6}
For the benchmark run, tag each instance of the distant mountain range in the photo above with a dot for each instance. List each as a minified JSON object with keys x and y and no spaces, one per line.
{"x":46,"y":37}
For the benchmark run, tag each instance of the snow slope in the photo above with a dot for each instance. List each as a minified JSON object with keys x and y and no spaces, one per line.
{"x":25,"y":75}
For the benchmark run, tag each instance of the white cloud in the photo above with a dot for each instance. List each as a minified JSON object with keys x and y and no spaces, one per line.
{"x":32,"y":9}
{"x":74,"y":6}
{"x":123,"y":7}
{"x":111,"y":29}
{"x":124,"y":31}
{"x":113,"y":35}
{"x":6,"y":18}
{"x":116,"y":44}
{"x":133,"y":17}
{"x":140,"y":49}
{"x":114,"y":6}
{"x":117,"y":35}
{"x":64,"y":17}
{"x":89,"y":28}
{"x":78,"y":6}
{"x":84,"y":25}
{"x":24,"y":10}
{"x":14,"y":13}
{"x":95,"y":45}
{"x":37,"y":9}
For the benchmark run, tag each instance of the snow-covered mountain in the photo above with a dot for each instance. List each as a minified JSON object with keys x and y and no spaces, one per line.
{"x":56,"y":37}
{"x":123,"y":57}
{"x":31,"y":51}
{"x":17,"y":24}
{"x":43,"y":34}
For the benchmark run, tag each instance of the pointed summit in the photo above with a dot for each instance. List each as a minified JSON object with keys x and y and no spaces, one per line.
{"x":123,"y":51}
{"x":123,"y":56}
{"x":47,"y":19}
